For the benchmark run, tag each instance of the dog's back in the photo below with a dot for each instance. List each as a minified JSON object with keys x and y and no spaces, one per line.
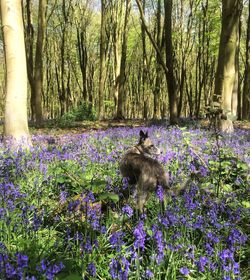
{"x":138,"y":167}
{"x":142,"y":170}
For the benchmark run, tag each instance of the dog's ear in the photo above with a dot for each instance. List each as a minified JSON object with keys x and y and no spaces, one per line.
{"x":143,"y":135}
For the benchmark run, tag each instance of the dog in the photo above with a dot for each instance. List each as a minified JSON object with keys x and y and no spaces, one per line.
{"x":141,"y":170}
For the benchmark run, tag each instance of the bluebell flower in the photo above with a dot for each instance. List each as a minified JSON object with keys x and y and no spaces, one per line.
{"x":125,"y":183}
{"x":22,"y":260}
{"x":116,"y":240}
{"x":149,"y":274}
{"x":226,"y":254}
{"x":213,"y":266}
{"x":158,"y":239}
{"x":209,"y":249}
{"x":212,"y":237}
{"x":201,"y":263}
{"x":91,"y":269}
{"x":114,"y":268}
{"x":160,"y":193}
{"x":10,"y":271}
{"x":127,"y":210}
{"x":63,"y":197}
{"x":236,"y":237}
{"x":184,"y":271}
{"x":88,"y":246}
{"x":140,"y":236}
{"x":236,"y":268}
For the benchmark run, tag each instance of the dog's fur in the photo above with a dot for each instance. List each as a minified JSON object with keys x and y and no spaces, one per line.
{"x":142,"y":170}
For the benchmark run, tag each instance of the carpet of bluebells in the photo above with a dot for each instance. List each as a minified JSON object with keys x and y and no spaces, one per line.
{"x":64,"y":213}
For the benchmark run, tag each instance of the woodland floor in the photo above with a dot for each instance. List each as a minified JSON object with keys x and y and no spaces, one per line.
{"x":83,"y":126}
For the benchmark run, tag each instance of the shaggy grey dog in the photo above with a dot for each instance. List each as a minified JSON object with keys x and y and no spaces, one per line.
{"x":142,"y":170}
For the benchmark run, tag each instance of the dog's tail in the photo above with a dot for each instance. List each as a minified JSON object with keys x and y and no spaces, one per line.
{"x":182,"y":188}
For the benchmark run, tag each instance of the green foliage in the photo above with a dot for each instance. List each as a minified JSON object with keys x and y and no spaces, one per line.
{"x":69,"y":194}
{"x":84,"y":112}
{"x":67,"y":120}
{"x":81,"y":113}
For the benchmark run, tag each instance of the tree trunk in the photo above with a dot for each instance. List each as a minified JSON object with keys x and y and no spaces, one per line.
{"x":246,"y":89}
{"x":157,"y":89}
{"x":169,"y":62}
{"x":117,"y":13}
{"x":29,"y":44}
{"x":236,"y":88}
{"x":83,"y":58}
{"x":16,"y":120}
{"x":38,"y":75}
{"x":103,"y":57}
{"x":122,"y":79}
{"x":226,"y":72}
{"x":144,"y":67}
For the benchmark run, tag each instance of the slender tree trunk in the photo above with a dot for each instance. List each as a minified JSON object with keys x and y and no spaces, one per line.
{"x":29,"y":43}
{"x":226,"y":72}
{"x":157,"y":88}
{"x":103,"y":57}
{"x":169,"y":62}
{"x":38,"y":75}
{"x":117,"y":14}
{"x":83,"y":58}
{"x":121,"y":85}
{"x":16,"y":120}
{"x":246,"y":89}
{"x":144,"y":67}
{"x":236,"y":88}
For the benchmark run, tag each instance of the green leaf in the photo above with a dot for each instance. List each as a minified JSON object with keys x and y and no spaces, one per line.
{"x":73,"y":276}
{"x":109,"y":196}
{"x":246,"y":204}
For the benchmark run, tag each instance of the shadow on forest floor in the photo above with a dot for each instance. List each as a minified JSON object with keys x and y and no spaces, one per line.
{"x":51,"y":127}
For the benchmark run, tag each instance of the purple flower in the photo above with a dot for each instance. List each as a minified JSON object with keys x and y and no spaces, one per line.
{"x":10,"y":271}
{"x":184,"y":271}
{"x":140,"y":236}
{"x":63,"y":196}
{"x":22,"y":260}
{"x":212,"y":237}
{"x":88,"y":246}
{"x":119,"y":268}
{"x":236,"y":268}
{"x":236,"y":237}
{"x":103,"y":230}
{"x":225,"y":255}
{"x":149,"y":274}
{"x":158,"y":239}
{"x":201,"y":263}
{"x":209,"y":249}
{"x":114,"y":268}
{"x":91,"y":269}
{"x":127,"y":210}
{"x":116,"y":240}
{"x":160,"y":193}
{"x":213,"y":266}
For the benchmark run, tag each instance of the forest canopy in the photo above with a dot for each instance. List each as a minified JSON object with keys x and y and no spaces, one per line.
{"x":109,"y":59}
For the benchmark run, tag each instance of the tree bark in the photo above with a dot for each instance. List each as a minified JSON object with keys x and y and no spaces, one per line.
{"x":157,"y":89}
{"x":122,"y":78}
{"x":16,"y":120}
{"x":246,"y":88}
{"x":169,"y":63}
{"x":225,"y":75}
{"x":38,"y":75}
{"x":103,"y":57}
